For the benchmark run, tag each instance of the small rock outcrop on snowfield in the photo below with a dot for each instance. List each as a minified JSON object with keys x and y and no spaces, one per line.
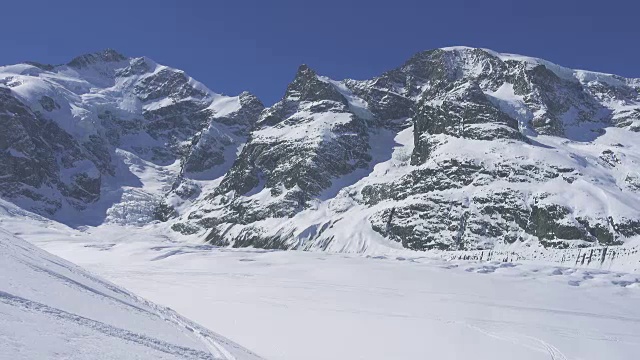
{"x":458,"y":148}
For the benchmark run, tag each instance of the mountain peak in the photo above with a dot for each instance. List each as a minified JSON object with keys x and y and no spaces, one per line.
{"x":306,"y":86}
{"x":304,"y":68}
{"x":107,"y":55}
{"x":247,"y":97}
{"x":305,"y":72}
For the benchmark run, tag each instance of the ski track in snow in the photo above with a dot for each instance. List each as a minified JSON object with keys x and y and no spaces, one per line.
{"x":106,"y":329}
{"x":526,"y":341}
{"x":52,"y":309}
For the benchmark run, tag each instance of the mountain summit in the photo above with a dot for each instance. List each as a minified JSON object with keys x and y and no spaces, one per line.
{"x":107,"y":55}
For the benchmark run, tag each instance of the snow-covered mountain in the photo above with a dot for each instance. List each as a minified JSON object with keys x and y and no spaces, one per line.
{"x":51,"y":308}
{"x":459,"y":148}
{"x":76,"y":136}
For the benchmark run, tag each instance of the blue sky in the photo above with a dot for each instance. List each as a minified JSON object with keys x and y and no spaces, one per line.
{"x":233,"y":46}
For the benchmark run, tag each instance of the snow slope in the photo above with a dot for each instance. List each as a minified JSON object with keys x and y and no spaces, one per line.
{"x":50,"y":308}
{"x":311,"y":305}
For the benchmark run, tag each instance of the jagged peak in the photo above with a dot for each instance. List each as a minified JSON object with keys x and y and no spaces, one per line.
{"x":559,"y":70}
{"x":247,"y":94}
{"x":107,"y":55}
{"x":304,"y":68}
{"x":139,"y":65}
{"x":248,"y":97}
{"x":454,"y":59}
{"x":308,"y":86}
{"x":304,"y":74}
{"x":450,"y":56}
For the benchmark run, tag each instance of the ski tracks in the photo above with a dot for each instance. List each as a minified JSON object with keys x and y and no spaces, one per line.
{"x":109,"y":330}
{"x":218,"y":346}
{"x":526,"y":341}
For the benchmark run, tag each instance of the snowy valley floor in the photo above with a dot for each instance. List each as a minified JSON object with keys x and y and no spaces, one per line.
{"x":295,"y":305}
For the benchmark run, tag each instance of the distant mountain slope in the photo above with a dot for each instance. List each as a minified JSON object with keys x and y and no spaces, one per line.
{"x":457,"y":149}
{"x":50,"y":308}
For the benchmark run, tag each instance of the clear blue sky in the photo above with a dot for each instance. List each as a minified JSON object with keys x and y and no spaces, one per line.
{"x":233,"y":46}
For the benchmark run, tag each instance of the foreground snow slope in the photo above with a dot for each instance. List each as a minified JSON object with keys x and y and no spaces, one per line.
{"x":310,"y":305}
{"x":52,"y":309}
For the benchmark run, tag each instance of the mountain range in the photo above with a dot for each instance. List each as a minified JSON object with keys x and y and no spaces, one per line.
{"x":457,"y":149}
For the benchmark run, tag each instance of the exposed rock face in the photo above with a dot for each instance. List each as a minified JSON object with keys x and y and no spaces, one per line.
{"x":36,"y":157}
{"x":105,"y":56}
{"x":208,"y":146}
{"x":299,"y":145}
{"x":458,"y":148}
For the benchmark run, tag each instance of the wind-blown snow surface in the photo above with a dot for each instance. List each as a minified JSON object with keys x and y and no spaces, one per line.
{"x":52,"y":309}
{"x":308,"y":305}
